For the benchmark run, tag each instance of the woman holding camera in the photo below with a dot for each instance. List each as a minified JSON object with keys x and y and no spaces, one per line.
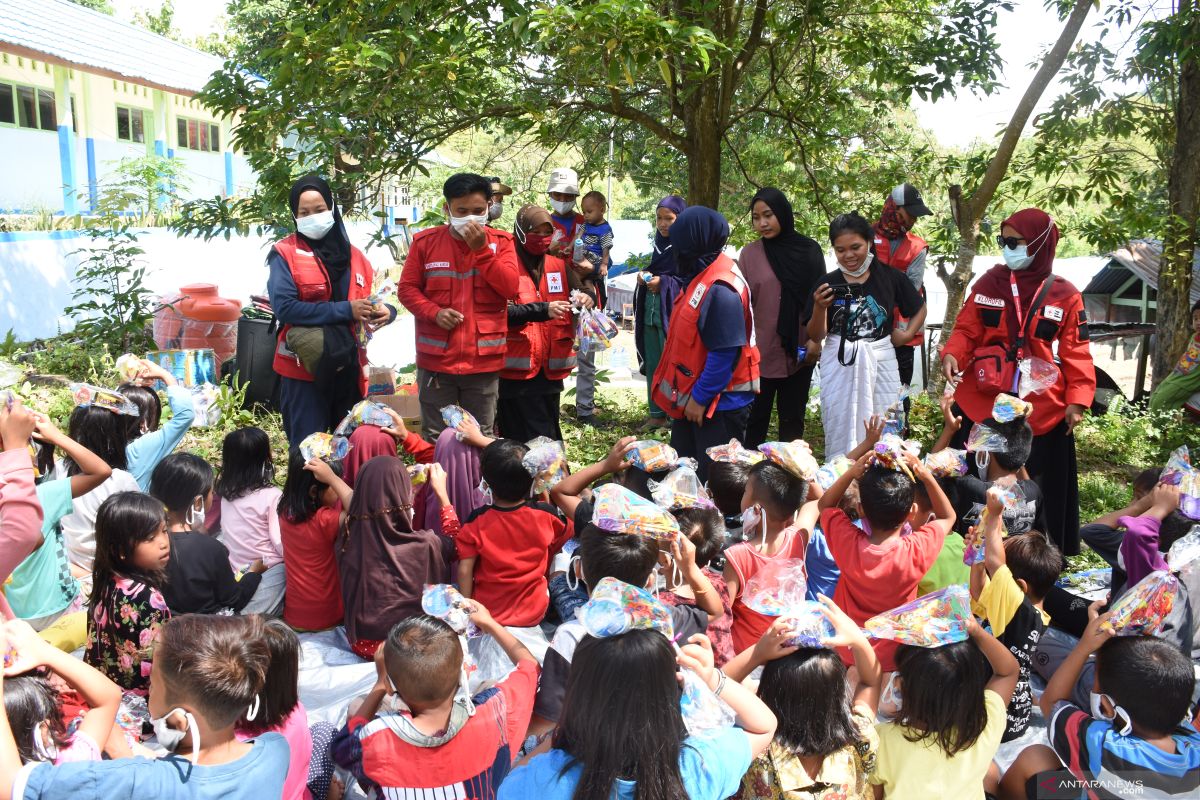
{"x":851,"y":312}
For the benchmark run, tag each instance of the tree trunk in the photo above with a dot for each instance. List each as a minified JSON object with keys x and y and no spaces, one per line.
{"x":704,"y":151}
{"x":1183,"y":197}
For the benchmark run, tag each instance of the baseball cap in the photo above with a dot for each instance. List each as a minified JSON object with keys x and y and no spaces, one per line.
{"x":907,"y":197}
{"x":499,"y":188}
{"x":564,"y":180}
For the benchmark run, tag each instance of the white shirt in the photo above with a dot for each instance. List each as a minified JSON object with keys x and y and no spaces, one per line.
{"x":79,"y":529}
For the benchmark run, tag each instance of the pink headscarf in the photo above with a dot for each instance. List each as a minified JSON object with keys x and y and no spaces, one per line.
{"x":367,"y":442}
{"x":461,"y":462}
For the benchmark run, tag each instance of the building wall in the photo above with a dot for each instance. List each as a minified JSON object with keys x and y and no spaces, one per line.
{"x":31,"y":158}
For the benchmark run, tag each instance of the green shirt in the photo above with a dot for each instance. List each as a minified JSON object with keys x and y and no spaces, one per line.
{"x":948,"y":569}
{"x":42,"y":584}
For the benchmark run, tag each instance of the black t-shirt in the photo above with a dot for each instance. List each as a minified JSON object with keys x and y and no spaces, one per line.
{"x":200,"y":580}
{"x":970,"y":495}
{"x":1021,"y":637}
{"x":868,"y":314}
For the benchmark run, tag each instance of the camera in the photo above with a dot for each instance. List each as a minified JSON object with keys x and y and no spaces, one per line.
{"x":847,"y":292}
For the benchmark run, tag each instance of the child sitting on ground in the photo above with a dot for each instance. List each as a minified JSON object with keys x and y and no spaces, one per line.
{"x":249,"y":515}
{"x":312,"y":510}
{"x":727,"y":485}
{"x":825,"y":745}
{"x":147,"y":444}
{"x":504,"y":548}
{"x":1009,"y":586}
{"x":199,"y":578}
{"x":883,"y":561}
{"x":773,"y":499}
{"x":950,"y":720}
{"x":441,"y":742}
{"x":35,"y":708}
{"x":1136,"y":728}
{"x":705,"y":531}
{"x":207,"y":671}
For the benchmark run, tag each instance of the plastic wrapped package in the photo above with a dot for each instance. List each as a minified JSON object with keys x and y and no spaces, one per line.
{"x":1011,"y":497}
{"x":985,"y":439}
{"x":894,"y":418}
{"x":615,"y":508}
{"x":829,"y":472}
{"x":890,"y":450}
{"x":1087,"y":581}
{"x":128,"y":367}
{"x":1037,"y":375}
{"x":1142,"y":610}
{"x":206,"y":412}
{"x":444,"y":601}
{"x":418,"y":474}
{"x":455,"y":416}
{"x":616,"y":607}
{"x":680,"y":489}
{"x":1007,"y":408}
{"x":948,"y":463}
{"x":546,"y":462}
{"x":795,"y":456}
{"x":734,"y":453}
{"x":324,"y":446}
{"x":703,"y":712}
{"x":777,"y":588}
{"x":1178,"y":464}
{"x":936,"y":619}
{"x":810,"y":627}
{"x":85,"y":394}
{"x":596,"y":331}
{"x":1185,"y":550}
{"x":1189,"y":497}
{"x":365,"y":412}
{"x":650,"y":455}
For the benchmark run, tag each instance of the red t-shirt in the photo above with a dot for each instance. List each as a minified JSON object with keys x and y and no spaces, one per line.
{"x":472,"y":764}
{"x":313,"y":600}
{"x":513,"y":547}
{"x":877,"y":577}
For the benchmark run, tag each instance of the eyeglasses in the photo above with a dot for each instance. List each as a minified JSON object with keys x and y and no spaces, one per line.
{"x":1011,"y":242}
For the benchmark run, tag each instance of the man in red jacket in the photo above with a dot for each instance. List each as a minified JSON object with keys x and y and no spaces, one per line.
{"x":457,"y":281}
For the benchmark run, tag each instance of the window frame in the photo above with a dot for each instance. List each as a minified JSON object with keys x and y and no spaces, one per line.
{"x":129,"y":112}
{"x":37,"y":92}
{"x":192,"y":126}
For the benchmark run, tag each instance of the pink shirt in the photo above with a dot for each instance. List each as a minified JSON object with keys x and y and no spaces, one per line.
{"x":250,"y":528}
{"x":746,"y":562}
{"x":20,"y":515}
{"x":295,"y":730}
{"x":766,"y":290}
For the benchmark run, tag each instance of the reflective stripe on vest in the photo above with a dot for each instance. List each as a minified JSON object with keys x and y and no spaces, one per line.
{"x":518,"y":363}
{"x":449,"y":273}
{"x":560,"y":363}
{"x":433,"y":342}
{"x":490,"y":342}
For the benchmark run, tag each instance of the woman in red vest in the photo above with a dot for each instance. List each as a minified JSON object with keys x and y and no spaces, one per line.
{"x":541,"y":334}
{"x":1016,"y":310}
{"x":319,"y":288}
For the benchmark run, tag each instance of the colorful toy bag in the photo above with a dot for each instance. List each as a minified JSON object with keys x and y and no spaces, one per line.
{"x":986,"y":439}
{"x":84,"y":394}
{"x":934,"y":620}
{"x":615,"y":508}
{"x":680,"y":489}
{"x":324,"y":446}
{"x":894,"y":418}
{"x":890,"y":450}
{"x":734,"y":453}
{"x":1037,"y":375}
{"x":444,"y":601}
{"x":650,"y":455}
{"x":455,"y":416}
{"x":777,"y":588}
{"x":811,"y":628}
{"x":546,"y":462}
{"x":365,"y":412}
{"x":829,"y":472}
{"x":1012,"y":496}
{"x":948,"y":463}
{"x":1007,"y":408}
{"x":796,"y":457}
{"x":1142,"y":610}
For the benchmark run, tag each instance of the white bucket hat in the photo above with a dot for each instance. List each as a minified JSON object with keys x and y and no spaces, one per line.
{"x":564,"y":180}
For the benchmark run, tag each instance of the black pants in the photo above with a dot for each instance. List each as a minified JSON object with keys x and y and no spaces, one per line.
{"x":308,"y":408}
{"x":528,"y":417}
{"x":905,"y":363}
{"x":693,"y":440}
{"x":1053,"y":466}
{"x":792,"y":395}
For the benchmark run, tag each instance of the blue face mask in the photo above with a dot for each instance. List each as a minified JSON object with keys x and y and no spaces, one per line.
{"x":1017,"y":259}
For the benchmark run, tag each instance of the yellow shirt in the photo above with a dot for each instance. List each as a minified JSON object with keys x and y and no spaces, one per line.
{"x":922,"y":770}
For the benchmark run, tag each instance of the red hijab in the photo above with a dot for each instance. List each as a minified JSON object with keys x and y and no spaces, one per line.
{"x":367,"y":442}
{"x":1040,"y":233}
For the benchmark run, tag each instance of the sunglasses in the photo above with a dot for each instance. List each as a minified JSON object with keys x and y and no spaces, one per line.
{"x":1011,"y":242}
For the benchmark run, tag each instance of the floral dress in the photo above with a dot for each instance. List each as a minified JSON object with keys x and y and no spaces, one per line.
{"x":122,"y":629}
{"x":779,"y":775}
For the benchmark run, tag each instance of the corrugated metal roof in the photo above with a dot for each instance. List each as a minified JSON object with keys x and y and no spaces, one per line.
{"x":59,"y":30}
{"x":1140,"y":257}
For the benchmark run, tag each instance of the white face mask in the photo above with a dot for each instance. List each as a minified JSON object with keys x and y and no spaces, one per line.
{"x":862,"y":270}
{"x":170,"y":738}
{"x":1017,"y":259}
{"x":43,"y":751}
{"x":1126,"y":724}
{"x":891,"y":697}
{"x":563,"y":206}
{"x":195,"y":516}
{"x":458,"y":223}
{"x":495,"y":211}
{"x":315,"y":226}
{"x":485,"y":490}
{"x":752,"y":519}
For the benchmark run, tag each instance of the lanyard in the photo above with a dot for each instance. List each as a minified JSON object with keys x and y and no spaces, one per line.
{"x":1016,"y":293}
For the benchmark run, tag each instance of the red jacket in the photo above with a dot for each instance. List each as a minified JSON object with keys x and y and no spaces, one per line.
{"x":442,"y":272}
{"x":910,"y":247}
{"x":549,"y":345}
{"x":313,"y":286}
{"x":684,"y":353}
{"x":989,"y":318}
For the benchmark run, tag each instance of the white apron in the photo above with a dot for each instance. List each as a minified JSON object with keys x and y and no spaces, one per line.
{"x":850,"y":395}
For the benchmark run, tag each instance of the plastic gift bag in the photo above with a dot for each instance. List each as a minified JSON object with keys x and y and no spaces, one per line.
{"x":1185,"y":550}
{"x":418,"y":474}
{"x":734,"y":453}
{"x":894,"y":418}
{"x":810,"y":627}
{"x":1178,"y":465}
{"x":616,"y":607}
{"x":985,"y":439}
{"x":455,"y":416}
{"x":546,"y":462}
{"x":795,"y":456}
{"x":615,"y":508}
{"x":948,"y":463}
{"x":1037,"y":375}
{"x":703,"y":712}
{"x":365,"y":412}
{"x":890,"y":450}
{"x":650,"y":455}
{"x":1011,"y":496}
{"x":1142,"y":610}
{"x":934,"y":620}
{"x":324,"y":446}
{"x":129,"y":367}
{"x":206,"y":412}
{"x":444,"y":601}
{"x":1007,"y":408}
{"x":85,"y":394}
{"x":596,"y":331}
{"x":1189,"y":497}
{"x":680,"y":489}
{"x":829,"y":472}
{"x":1086,"y":581}
{"x":778,"y":587}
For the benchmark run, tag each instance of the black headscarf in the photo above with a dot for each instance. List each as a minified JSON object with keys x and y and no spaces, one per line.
{"x":797,"y":262}
{"x":334,"y":247}
{"x":698,"y":236}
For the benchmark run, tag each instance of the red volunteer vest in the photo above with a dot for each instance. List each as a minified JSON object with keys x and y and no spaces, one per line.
{"x":537,"y":345}
{"x":910,"y":247}
{"x":313,"y":286}
{"x":684,"y":353}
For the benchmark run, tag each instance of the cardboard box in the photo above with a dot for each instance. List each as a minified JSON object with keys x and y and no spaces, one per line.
{"x":404,"y":402}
